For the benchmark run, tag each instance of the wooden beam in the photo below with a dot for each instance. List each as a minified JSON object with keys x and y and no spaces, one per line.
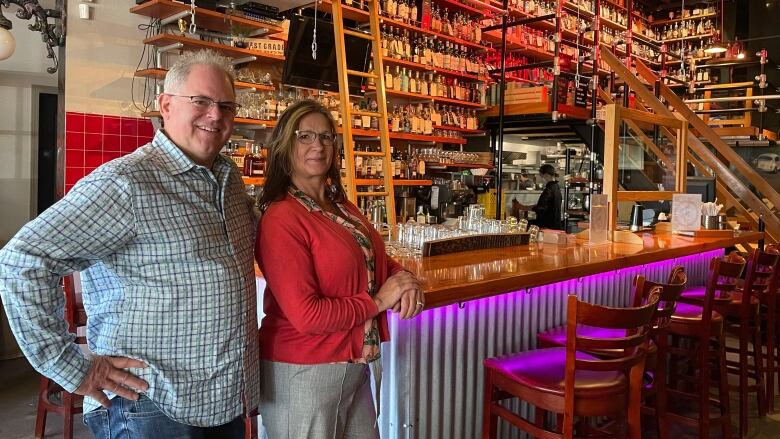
{"x":611,"y":159}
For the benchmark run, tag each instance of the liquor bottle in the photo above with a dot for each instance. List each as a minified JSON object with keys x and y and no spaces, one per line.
{"x":412,"y":83}
{"x":407,"y":46}
{"x":404,"y":80}
{"x":406,"y":123}
{"x":412,"y":164}
{"x":365,"y":121}
{"x":397,"y":79}
{"x":424,"y":86}
{"x":403,"y":11}
{"x":413,"y":12}
{"x":388,"y":78}
{"x":426,"y":14}
{"x":236,"y":154}
{"x":374,"y":107}
{"x":395,"y":124}
{"x":432,"y":89}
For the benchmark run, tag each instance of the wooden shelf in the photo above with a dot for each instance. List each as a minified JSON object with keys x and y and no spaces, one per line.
{"x":545,"y":25}
{"x":254,"y":180}
{"x":677,"y":61}
{"x":613,"y":24}
{"x":377,"y":182}
{"x":413,"y":28}
{"x":458,"y":165}
{"x":191,"y":43}
{"x":349,"y":12}
{"x":160,"y":74}
{"x":676,"y":20}
{"x":458,"y":6}
{"x":205,"y":18}
{"x":412,"y":183}
{"x":462,"y":130}
{"x":422,"y":97}
{"x":694,"y":37}
{"x":516,"y":46}
{"x":411,"y":137}
{"x":644,"y":38}
{"x":446,"y":72}
{"x":237,"y":120}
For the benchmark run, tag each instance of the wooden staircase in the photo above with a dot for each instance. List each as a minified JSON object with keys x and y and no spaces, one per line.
{"x":706,"y":151}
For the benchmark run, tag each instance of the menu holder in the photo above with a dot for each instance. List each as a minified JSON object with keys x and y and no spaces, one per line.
{"x":474,"y":242}
{"x":599,"y":219}
{"x":686,"y":212}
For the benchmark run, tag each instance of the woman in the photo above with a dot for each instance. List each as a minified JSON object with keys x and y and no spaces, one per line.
{"x":329,"y":283}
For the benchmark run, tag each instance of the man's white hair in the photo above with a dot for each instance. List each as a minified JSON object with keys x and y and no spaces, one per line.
{"x":180,"y":70}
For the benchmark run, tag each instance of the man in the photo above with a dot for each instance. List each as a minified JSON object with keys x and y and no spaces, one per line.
{"x":548,"y":207}
{"x":164,"y":240}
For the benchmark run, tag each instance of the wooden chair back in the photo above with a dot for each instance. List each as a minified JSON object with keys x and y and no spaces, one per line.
{"x":761,"y":276}
{"x":669,"y":294}
{"x":627,"y":352}
{"x":722,"y":279}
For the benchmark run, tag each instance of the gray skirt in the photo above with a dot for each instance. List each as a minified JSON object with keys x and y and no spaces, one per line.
{"x":327,"y":401}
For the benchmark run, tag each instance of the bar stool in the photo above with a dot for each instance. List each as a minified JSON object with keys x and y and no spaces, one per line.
{"x":741,"y":308}
{"x":68,"y":404}
{"x":655,"y":363}
{"x":570,"y":381}
{"x":769,"y":318}
{"x":703,"y":326}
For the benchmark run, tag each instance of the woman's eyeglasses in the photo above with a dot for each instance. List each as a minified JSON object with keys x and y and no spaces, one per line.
{"x":306,"y":137}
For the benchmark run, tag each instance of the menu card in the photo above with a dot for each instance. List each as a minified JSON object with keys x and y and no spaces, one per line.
{"x":686,"y":212}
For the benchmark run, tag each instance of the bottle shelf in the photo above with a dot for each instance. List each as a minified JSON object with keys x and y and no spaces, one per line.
{"x":256,"y":123}
{"x":405,"y":136}
{"x":349,"y":12}
{"x":422,"y":97}
{"x":206,"y":18}
{"x":544,"y":25}
{"x":694,"y":37}
{"x":230,"y":51}
{"x":454,"y":128}
{"x":458,"y":6}
{"x":378,"y":181}
{"x":458,"y":165}
{"x":413,"y":28}
{"x":677,"y":20}
{"x":586,"y":14}
{"x":516,"y":46}
{"x":427,"y":68}
{"x":160,"y":74}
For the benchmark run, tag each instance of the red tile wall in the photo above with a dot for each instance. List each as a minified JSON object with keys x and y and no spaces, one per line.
{"x":94,"y":139}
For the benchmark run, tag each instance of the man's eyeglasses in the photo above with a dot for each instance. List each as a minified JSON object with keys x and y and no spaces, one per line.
{"x":204,"y":104}
{"x":306,"y":137}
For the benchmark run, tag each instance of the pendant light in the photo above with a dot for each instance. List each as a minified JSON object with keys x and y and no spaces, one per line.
{"x":718,"y":46}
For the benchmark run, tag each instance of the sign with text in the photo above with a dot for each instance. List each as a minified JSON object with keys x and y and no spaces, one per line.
{"x":581,"y":93}
{"x":686,"y":212}
{"x":266,"y":45}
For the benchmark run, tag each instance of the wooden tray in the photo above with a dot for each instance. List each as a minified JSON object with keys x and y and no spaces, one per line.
{"x":473,"y":242}
{"x":706,"y":233}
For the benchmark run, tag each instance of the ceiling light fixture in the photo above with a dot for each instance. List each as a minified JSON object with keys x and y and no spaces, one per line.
{"x":53,"y":35}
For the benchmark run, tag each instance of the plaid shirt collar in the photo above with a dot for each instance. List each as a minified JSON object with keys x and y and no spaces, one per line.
{"x":175,"y":161}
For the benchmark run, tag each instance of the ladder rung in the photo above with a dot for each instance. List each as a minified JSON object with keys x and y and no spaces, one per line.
{"x":362,"y":35}
{"x":369,"y":154}
{"x":366,"y":113}
{"x":362,"y":74}
{"x":372,"y":194}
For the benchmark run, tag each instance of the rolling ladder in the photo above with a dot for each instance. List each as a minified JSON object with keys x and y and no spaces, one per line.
{"x":347,"y":112}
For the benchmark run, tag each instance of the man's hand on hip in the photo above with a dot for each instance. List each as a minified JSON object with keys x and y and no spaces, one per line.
{"x":107,"y":373}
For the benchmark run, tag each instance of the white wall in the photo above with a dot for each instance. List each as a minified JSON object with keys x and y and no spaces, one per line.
{"x":101,"y":57}
{"x":25,"y":69}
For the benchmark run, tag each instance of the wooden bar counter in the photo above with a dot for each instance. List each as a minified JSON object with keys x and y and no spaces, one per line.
{"x":487,"y":303}
{"x":459,"y":277}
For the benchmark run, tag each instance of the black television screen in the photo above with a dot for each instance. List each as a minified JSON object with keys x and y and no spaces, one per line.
{"x":701,"y":185}
{"x":301,"y":70}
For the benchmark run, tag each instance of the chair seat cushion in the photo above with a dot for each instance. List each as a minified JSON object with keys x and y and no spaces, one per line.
{"x":693,"y":295}
{"x":687,"y":313}
{"x":544,"y":370}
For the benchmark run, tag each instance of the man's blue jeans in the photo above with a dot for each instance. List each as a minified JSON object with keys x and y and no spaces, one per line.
{"x":127,"y":419}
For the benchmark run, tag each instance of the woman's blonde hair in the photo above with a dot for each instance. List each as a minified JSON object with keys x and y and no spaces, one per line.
{"x":280,"y":154}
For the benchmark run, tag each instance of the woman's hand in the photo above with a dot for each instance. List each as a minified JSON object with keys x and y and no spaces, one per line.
{"x":394,"y":289}
{"x":411,"y":303}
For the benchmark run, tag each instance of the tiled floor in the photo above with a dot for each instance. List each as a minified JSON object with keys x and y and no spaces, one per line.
{"x":19,"y":384}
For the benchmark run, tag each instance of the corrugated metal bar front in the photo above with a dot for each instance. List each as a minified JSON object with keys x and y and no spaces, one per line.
{"x":432,"y":381}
